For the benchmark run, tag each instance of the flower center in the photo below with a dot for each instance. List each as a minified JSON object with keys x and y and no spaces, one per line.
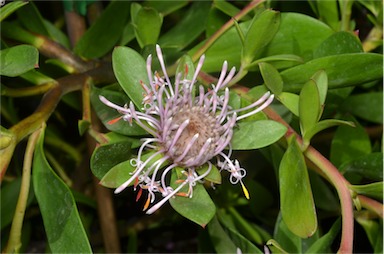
{"x":200,"y":122}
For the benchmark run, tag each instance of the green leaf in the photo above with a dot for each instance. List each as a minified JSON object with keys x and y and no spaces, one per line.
{"x":18,"y":60}
{"x":323,"y":244}
{"x":321,"y":80}
{"x":339,"y":43}
{"x":62,"y":223}
{"x":199,"y":209}
{"x":374,"y":231}
{"x":226,"y":48}
{"x":220,"y":239}
{"x":8,"y":9}
{"x":227,"y":8}
{"x":374,"y":190}
{"x":362,"y":68}
{"x":325,"y":124}
{"x":30,"y":18}
{"x":260,"y":32}
{"x":256,"y":134}
{"x":121,"y":172}
{"x":367,"y":106}
{"x":299,"y":35}
{"x":106,"y":113}
{"x":291,"y":101}
{"x":324,"y":197}
{"x":166,"y":7}
{"x":130,"y":69}
{"x":296,"y":200}
{"x":329,"y":13}
{"x":186,"y":30}
{"x":106,"y":156}
{"x":272,"y":78}
{"x":100,"y":38}
{"x":243,"y":243}
{"x":309,"y":106}
{"x":287,"y":241}
{"x":147,"y":23}
{"x":213,"y":176}
{"x":348,"y":144}
{"x":369,"y":166}
{"x":283,"y":57}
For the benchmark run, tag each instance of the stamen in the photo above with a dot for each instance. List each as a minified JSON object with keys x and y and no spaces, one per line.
{"x":198,"y":68}
{"x":222,"y":75}
{"x":161,"y":60}
{"x":178,"y":133}
{"x":187,"y":148}
{"x":266,"y":104}
{"x":162,"y":202}
{"x":115,"y":120}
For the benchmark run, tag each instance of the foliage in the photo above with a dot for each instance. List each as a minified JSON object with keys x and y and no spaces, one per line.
{"x":313,"y":157}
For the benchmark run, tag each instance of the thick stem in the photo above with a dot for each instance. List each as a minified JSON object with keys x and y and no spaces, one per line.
{"x":371,"y":205}
{"x":14,"y":242}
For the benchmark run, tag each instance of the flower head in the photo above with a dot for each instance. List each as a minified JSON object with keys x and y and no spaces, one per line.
{"x":189,"y":129}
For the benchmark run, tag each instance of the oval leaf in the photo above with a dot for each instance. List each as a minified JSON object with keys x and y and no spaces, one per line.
{"x":256,"y":134}
{"x":106,"y":156}
{"x":291,"y":101}
{"x":362,"y":68}
{"x":309,"y":106}
{"x":8,"y":9}
{"x":130,"y":69}
{"x":367,"y":106}
{"x":62,"y":223}
{"x":272,"y":78}
{"x":199,"y":209}
{"x":261,"y":31}
{"x":296,"y":200}
{"x":147,"y":23}
{"x":18,"y":60}
{"x":105,"y":32}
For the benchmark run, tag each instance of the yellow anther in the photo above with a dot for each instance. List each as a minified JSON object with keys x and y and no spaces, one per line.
{"x":246,"y":193}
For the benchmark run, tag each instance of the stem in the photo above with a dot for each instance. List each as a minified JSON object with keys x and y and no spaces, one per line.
{"x":345,"y":9}
{"x":334,"y":177}
{"x":341,"y":186}
{"x":371,"y":205}
{"x":75,"y":26}
{"x":26,"y":91}
{"x":14,"y":242}
{"x":101,"y":74}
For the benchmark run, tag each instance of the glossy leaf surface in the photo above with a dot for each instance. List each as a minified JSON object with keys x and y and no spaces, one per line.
{"x":367,"y":106}
{"x":296,"y":200}
{"x":357,"y":69}
{"x":272,"y":78}
{"x":101,"y":37}
{"x":130,"y":69}
{"x":256,"y":134}
{"x":106,"y":156}
{"x":62,"y":223}
{"x":18,"y":60}
{"x":199,"y":208}
{"x":260,"y":32}
{"x":147,"y":23}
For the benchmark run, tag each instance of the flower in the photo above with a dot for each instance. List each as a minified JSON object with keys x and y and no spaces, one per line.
{"x":188,"y":130}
